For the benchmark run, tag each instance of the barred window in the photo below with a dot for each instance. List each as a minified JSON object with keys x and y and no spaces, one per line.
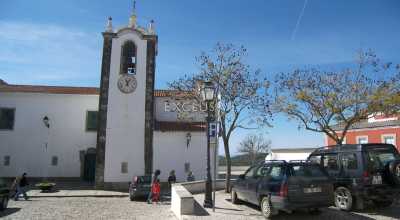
{"x":128,"y":58}
{"x":7,"y":160}
{"x":124,"y":167}
{"x":54,"y":161}
{"x":7,"y":117}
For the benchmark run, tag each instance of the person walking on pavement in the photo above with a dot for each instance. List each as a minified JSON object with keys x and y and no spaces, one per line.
{"x":22,"y":185}
{"x":171,"y":178}
{"x":156,"y":190}
{"x":190,"y":177}
{"x":153,"y":180}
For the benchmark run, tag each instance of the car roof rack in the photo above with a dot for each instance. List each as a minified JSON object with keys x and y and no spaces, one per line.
{"x":278,"y":161}
{"x":301,"y":161}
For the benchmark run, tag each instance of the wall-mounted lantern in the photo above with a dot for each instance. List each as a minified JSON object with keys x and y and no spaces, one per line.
{"x":46,"y":121}
{"x":188,"y":139}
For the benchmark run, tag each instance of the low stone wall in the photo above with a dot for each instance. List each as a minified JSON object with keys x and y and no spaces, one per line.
{"x":182,"y":200}
{"x":196,"y":187}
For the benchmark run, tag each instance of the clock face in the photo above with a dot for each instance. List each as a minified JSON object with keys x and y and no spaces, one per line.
{"x":127,"y":83}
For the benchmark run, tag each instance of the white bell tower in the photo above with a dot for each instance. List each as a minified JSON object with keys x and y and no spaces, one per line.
{"x":125,"y":134}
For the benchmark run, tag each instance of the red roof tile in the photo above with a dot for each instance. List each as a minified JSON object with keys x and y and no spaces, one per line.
{"x":49,"y":89}
{"x":4,"y":87}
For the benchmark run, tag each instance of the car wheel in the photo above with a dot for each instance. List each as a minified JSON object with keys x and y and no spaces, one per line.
{"x":234,"y":197}
{"x":343,"y":198}
{"x":266,"y":208}
{"x":4,"y":203}
{"x":383,"y":203}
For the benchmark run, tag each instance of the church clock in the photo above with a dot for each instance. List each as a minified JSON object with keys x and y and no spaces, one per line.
{"x":127,"y":83}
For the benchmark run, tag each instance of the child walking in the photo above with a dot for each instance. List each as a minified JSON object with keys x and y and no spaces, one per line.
{"x":155,"y":191}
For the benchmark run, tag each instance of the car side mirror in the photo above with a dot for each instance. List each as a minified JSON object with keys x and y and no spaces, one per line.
{"x":241,"y":176}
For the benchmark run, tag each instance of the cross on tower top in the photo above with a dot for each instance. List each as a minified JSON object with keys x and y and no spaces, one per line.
{"x":132,"y":19}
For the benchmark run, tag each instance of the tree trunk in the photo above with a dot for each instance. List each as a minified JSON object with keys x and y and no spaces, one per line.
{"x":228,"y":166}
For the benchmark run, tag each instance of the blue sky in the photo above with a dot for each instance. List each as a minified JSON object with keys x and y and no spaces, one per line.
{"x":58,"y":42}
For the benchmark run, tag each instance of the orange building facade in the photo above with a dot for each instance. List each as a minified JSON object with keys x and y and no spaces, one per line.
{"x":377,"y":129}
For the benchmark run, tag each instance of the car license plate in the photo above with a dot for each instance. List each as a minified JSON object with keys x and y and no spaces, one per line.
{"x":377,"y":180}
{"x":312,"y":190}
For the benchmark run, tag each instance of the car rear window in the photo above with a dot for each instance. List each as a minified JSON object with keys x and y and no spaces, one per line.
{"x":307,"y":171}
{"x":144,"y":179}
{"x":377,"y":159}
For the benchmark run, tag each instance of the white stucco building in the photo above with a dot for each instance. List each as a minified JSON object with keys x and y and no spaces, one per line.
{"x":123,"y":128}
{"x":289,"y":154}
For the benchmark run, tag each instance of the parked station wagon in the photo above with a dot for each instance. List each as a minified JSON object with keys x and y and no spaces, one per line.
{"x":139,"y":187}
{"x":362,"y":173}
{"x":280,"y":185}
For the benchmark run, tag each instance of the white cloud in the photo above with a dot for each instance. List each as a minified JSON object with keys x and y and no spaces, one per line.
{"x":48,"y":52}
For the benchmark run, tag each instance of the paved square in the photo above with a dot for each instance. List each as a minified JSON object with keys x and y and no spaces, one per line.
{"x":75,"y":207}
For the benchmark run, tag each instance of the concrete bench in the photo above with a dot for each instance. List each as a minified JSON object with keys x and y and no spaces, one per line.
{"x":182,"y":201}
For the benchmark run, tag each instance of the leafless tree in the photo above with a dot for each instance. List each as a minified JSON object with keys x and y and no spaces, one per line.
{"x":331,"y":102}
{"x":241,"y":92}
{"x":254,"y":145}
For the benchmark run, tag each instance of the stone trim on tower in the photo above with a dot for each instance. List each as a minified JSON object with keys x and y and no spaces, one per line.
{"x":102,"y":116}
{"x":149,"y":105}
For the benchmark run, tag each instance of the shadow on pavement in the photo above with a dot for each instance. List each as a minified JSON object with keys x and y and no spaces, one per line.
{"x":324,"y":214}
{"x":199,"y":210}
{"x":9,"y":211}
{"x":392,"y":212}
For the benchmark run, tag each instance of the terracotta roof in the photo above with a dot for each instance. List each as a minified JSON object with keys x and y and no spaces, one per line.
{"x":179,"y":126}
{"x":175,"y":93}
{"x":365,"y":124}
{"x":4,"y":87}
{"x":49,"y":89}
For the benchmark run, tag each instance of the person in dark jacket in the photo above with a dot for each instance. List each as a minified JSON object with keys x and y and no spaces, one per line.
{"x":190,"y":177}
{"x":153,"y":180}
{"x":171,"y":178}
{"x":22,"y":187}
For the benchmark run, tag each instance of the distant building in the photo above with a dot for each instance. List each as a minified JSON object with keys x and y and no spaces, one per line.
{"x":376,"y":129}
{"x":288,"y":154}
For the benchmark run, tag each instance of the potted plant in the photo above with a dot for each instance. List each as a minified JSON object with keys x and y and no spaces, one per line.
{"x":45,"y":186}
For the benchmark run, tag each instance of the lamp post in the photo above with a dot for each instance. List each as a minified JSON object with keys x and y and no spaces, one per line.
{"x":207,"y":93}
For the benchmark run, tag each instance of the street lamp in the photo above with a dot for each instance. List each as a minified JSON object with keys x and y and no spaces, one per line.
{"x":207,"y":92}
{"x":188,"y":139}
{"x":46,"y":121}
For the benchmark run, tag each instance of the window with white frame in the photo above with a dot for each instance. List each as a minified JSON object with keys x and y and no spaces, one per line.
{"x":124,"y":167}
{"x":7,"y":160}
{"x":389,"y":139}
{"x":362,"y":139}
{"x":7,"y":117}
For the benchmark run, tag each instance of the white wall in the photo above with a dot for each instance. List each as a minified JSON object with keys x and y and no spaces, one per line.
{"x":171,"y":153}
{"x":177,"y":109}
{"x":288,"y":156}
{"x":66,"y":136}
{"x":125,"y":116}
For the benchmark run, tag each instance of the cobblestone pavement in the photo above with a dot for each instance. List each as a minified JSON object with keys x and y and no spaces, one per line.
{"x":54,"y":208}
{"x":77,"y":193}
{"x":226,"y":210}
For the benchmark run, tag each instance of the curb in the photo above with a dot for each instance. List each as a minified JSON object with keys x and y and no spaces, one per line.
{"x":79,"y":196}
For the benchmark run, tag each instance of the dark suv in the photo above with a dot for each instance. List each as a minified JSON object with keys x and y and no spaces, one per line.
{"x":361,"y":173}
{"x":280,"y":185}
